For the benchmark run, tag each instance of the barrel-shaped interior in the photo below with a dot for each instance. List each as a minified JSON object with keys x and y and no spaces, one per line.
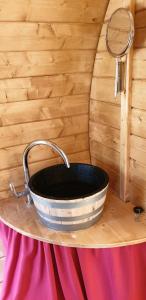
{"x":60,"y":182}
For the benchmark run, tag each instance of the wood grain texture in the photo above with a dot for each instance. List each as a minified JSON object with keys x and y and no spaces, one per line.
{"x":139,"y":94}
{"x":139,"y":64}
{"x":104,"y":65}
{"x":16,"y":113}
{"x":126,"y":102}
{"x":114,"y":176}
{"x":137,"y":194}
{"x":110,"y":158}
{"x":138,"y":115}
{"x":44,"y":87}
{"x":140,"y":5}
{"x":103,"y":90}
{"x":47,"y":53}
{"x":138,"y":173}
{"x":113,"y":5}
{"x":140,"y":19}
{"x":50,"y":129}
{"x":138,"y":149}
{"x":140,"y":39}
{"x":45,"y":36}
{"x":102,"y":40}
{"x":138,"y":122}
{"x":104,"y":128}
{"x":25,"y":64}
{"x":109,"y":116}
{"x":12,"y":156}
{"x":109,"y":137}
{"x":83,"y":11}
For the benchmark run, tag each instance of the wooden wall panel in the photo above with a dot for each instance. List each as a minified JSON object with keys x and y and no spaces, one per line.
{"x":25,"y":64}
{"x":138,"y":149}
{"x":113,"y":175}
{"x":104,"y":108}
{"x":113,"y":5}
{"x":44,"y":36}
{"x":47,"y":53}
{"x":138,"y":122}
{"x":71,"y":144}
{"x":104,"y":65}
{"x":83,"y":11}
{"x":50,"y":129}
{"x":139,"y":94}
{"x":140,"y":5}
{"x":103,"y":89}
{"x":138,"y":114}
{"x":100,"y":152}
{"x":104,"y":134}
{"x":33,"y":88}
{"x":105,"y":130}
{"x":13,"y":113}
{"x":109,"y":116}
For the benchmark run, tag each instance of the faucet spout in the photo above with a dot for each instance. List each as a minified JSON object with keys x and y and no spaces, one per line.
{"x":41,"y":142}
{"x":26,"y":169}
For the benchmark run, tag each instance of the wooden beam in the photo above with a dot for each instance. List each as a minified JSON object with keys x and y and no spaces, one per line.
{"x":125,"y":124}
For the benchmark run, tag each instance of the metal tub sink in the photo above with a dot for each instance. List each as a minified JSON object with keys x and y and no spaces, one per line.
{"x":67,"y":197}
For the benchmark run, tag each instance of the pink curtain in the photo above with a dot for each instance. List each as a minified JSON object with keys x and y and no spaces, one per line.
{"x":39,"y":271}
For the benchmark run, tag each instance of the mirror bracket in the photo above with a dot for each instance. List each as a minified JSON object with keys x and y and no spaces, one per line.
{"x":119,"y":77}
{"x":119,"y":38}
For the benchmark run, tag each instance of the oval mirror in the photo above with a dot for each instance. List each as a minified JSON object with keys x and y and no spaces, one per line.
{"x":119,"y":38}
{"x":120,"y":32}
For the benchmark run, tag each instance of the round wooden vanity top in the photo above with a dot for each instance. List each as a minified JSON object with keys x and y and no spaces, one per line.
{"x":117,"y":227}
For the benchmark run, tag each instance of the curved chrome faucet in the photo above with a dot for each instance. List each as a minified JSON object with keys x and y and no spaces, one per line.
{"x":26,"y":169}
{"x":37,"y":143}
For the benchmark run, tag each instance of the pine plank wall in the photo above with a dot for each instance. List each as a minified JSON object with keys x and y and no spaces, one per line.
{"x":105,"y":111}
{"x":47,"y":51}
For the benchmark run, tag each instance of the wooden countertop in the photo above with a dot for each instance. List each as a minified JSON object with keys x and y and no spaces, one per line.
{"x":117,"y":226}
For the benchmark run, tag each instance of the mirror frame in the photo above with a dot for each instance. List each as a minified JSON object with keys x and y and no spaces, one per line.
{"x":131,"y":34}
{"x":119,"y":76}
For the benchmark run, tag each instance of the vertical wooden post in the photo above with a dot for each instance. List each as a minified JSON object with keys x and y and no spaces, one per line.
{"x":125,"y":120}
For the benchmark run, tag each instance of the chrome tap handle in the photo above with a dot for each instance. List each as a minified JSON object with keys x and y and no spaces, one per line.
{"x":15,"y":193}
{"x":24,"y":193}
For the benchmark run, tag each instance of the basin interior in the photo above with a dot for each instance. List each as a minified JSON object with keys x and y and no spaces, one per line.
{"x":59,"y":182}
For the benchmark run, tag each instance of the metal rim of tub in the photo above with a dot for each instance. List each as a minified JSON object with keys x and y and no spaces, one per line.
{"x":67,"y":197}
{"x":65,"y":212}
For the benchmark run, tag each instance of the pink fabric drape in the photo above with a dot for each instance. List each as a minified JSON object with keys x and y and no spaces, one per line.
{"x":39,"y":271}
